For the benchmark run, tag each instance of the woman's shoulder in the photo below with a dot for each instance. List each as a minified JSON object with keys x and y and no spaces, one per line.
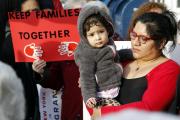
{"x":174,"y":63}
{"x":168,"y":66}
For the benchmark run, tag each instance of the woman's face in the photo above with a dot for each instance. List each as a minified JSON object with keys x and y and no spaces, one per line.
{"x":143,"y":46}
{"x":29,"y":6}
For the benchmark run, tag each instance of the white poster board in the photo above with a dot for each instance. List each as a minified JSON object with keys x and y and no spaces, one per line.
{"x":49,"y":104}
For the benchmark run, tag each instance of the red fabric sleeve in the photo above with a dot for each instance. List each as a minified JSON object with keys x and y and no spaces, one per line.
{"x":160,"y":91}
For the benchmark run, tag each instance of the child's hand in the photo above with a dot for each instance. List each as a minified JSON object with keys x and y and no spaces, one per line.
{"x":38,"y":66}
{"x":91,"y":102}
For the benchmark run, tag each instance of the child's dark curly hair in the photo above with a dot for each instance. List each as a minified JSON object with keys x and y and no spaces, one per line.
{"x":95,"y":19}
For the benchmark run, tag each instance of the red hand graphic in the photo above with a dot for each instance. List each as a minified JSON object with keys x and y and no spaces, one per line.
{"x":67,"y":48}
{"x":33,"y":51}
{"x":29,"y":50}
{"x":72,"y":46}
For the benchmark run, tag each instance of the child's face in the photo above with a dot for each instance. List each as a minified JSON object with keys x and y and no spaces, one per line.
{"x":97,"y":36}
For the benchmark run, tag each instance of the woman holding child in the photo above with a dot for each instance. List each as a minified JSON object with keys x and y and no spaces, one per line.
{"x":149,"y":81}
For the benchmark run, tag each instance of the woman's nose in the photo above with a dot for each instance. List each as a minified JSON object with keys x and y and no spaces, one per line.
{"x":136,"y":41}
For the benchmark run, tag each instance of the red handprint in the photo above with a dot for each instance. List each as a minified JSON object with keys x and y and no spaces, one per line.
{"x":67,"y":48}
{"x":33,"y":51}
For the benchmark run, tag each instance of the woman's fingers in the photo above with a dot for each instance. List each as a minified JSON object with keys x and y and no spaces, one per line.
{"x":38,"y":65}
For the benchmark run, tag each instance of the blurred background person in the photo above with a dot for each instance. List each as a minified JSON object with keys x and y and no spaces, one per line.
{"x":12,"y":102}
{"x":146,"y":7}
{"x":175,"y":53}
{"x":23,"y":70}
{"x":133,"y":114}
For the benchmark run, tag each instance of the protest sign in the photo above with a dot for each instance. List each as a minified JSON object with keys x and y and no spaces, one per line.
{"x":52,"y":34}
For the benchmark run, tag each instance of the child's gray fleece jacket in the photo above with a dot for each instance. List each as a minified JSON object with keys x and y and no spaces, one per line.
{"x":96,"y":61}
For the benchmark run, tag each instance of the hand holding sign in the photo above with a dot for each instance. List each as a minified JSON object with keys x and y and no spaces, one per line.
{"x":38,"y":66}
{"x":33,"y":51}
{"x":67,"y":48}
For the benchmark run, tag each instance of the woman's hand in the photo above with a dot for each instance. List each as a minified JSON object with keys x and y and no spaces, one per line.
{"x":91,"y":102}
{"x":79,"y":83}
{"x":38,"y":66}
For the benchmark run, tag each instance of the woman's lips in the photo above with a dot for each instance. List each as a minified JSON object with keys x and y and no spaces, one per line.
{"x":135,"y":50}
